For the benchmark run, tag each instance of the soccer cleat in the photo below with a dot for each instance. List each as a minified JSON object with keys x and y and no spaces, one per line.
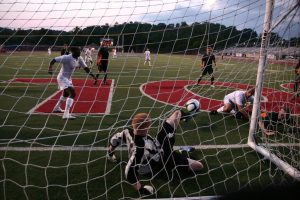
{"x":68,"y":116}
{"x":212,"y":86}
{"x":58,"y":110}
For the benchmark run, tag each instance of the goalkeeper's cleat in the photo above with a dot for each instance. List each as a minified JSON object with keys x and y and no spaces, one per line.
{"x":58,"y":110}
{"x":146,"y":190}
{"x":68,"y":116}
{"x":112,"y":158}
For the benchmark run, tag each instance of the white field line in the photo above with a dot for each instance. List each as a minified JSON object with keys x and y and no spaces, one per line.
{"x":124,"y":148}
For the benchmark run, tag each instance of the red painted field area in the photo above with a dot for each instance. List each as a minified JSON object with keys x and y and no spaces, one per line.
{"x":175,"y":93}
{"x":92,"y":99}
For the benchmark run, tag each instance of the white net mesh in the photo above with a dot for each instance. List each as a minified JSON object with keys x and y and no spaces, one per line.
{"x":45,"y":157}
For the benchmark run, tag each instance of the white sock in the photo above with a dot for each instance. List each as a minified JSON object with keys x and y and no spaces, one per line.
{"x":60,"y":101}
{"x":69,"y":104}
{"x":220,"y":109}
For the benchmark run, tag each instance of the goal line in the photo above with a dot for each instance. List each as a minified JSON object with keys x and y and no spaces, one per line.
{"x":198,"y":147}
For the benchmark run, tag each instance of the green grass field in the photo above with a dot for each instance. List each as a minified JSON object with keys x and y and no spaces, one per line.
{"x":86,"y":174}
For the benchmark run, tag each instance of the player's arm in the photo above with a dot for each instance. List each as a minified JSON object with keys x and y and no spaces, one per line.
{"x":175,"y":118}
{"x":202,"y":63}
{"x":214,"y":60}
{"x":99,"y":57}
{"x":263,"y":129}
{"x":86,"y":69}
{"x":116,"y":140}
{"x":89,"y":72}
{"x":242,"y":110}
{"x":50,"y":68}
{"x":131,"y":172}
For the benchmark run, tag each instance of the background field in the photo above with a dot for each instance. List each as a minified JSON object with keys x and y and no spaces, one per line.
{"x":79,"y":170}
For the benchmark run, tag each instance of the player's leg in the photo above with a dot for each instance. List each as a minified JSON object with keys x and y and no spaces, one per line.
{"x":204,"y":72}
{"x":69,"y":103}
{"x":227,"y":105}
{"x":63,"y":83}
{"x":105,"y":74}
{"x":62,"y":98}
{"x":212,"y":77}
{"x":98,"y":73}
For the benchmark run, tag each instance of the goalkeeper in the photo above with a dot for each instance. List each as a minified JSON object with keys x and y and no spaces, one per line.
{"x":147,"y":155}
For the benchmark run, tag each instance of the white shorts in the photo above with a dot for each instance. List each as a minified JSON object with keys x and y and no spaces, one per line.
{"x":228,"y":101}
{"x":64,"y":82}
{"x":88,"y":59}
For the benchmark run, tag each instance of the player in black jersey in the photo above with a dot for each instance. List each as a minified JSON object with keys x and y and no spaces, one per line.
{"x":207,"y":65}
{"x":102,"y":60}
{"x":146,"y":154}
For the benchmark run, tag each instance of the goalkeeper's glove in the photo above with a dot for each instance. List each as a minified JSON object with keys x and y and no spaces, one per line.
{"x":146,"y":190}
{"x":186,"y":115}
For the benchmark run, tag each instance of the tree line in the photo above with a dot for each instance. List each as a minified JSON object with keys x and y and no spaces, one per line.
{"x":136,"y":36}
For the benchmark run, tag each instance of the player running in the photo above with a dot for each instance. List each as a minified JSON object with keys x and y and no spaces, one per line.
{"x":147,"y":57}
{"x":207,"y":66}
{"x":102,"y":60}
{"x":147,"y":155}
{"x":69,"y":64}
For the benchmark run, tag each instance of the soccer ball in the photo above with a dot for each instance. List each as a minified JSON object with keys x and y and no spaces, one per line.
{"x":192,"y":105}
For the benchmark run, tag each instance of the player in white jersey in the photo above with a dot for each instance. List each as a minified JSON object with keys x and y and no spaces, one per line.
{"x":49,"y":51}
{"x":147,"y":57}
{"x":236,"y":102}
{"x":64,"y":79}
{"x":114,"y":53}
{"x":88,"y":56}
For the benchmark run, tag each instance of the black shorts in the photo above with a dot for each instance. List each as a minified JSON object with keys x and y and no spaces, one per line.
{"x":102,"y":67}
{"x":208,"y":70}
{"x":170,"y":158}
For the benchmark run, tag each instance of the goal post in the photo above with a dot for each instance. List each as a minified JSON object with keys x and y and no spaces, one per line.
{"x":255,"y":117}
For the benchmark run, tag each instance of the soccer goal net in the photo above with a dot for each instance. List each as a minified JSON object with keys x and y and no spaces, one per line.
{"x":58,"y":124}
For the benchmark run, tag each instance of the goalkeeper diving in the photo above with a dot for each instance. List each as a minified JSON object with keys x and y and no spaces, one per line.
{"x":147,"y":155}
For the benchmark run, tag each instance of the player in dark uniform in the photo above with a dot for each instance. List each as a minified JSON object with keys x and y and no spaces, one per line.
{"x":102,"y":60}
{"x":65,"y":50}
{"x":296,"y":81}
{"x":149,"y":155}
{"x":207,"y":65}
{"x":270,"y":120}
